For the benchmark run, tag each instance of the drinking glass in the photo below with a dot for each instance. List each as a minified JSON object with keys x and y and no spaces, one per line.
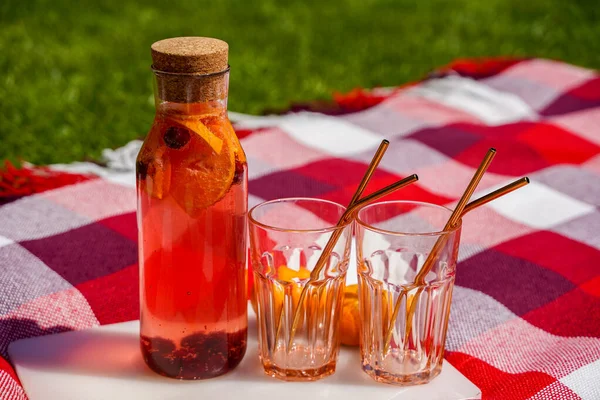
{"x":298,"y":316}
{"x":404,"y":321}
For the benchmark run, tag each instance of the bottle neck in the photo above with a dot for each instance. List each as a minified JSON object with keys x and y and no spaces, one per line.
{"x":191,"y":94}
{"x":166,"y":108}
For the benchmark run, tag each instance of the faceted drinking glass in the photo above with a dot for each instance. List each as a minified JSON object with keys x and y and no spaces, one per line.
{"x":298,"y":316}
{"x":393,"y":241}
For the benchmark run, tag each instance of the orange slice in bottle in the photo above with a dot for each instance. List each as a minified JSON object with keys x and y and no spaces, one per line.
{"x":153,"y":170}
{"x":203,"y":169}
{"x":159,"y":178}
{"x":194,"y":125}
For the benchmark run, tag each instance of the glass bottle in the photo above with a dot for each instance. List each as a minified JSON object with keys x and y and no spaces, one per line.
{"x":192,"y":202}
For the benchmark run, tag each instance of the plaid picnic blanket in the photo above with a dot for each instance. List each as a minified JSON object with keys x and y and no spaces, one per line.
{"x":525,"y":319}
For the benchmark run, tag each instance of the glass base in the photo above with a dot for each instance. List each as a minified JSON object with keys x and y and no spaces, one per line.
{"x":419,"y":378}
{"x":300,"y":375}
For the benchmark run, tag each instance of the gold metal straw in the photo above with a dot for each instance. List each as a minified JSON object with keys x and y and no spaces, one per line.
{"x":348,"y":214}
{"x":471,"y":206}
{"x":429,"y":262}
{"x":359,"y":191}
{"x":495,"y":194}
{"x":369,"y":172}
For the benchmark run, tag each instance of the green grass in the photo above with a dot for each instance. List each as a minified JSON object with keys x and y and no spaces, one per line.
{"x":75,"y":79}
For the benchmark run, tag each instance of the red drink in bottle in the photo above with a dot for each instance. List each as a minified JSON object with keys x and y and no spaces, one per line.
{"x":192,"y":203}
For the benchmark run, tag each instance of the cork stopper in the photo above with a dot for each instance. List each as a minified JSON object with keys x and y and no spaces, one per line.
{"x":205,"y":58}
{"x":191,"y":55}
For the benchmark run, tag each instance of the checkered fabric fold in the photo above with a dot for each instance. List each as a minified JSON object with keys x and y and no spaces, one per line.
{"x":525,"y":320}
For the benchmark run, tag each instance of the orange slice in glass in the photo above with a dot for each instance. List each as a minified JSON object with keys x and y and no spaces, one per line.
{"x":350,"y":320}
{"x":290,"y":277}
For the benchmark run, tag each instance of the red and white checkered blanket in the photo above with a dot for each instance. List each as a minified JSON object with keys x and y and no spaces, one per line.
{"x":525,"y":319}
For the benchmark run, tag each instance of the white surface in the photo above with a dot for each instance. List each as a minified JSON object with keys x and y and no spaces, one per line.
{"x":578,"y":381}
{"x":327,"y":134}
{"x":539,"y":206}
{"x":105,"y":363}
{"x":4,"y":241}
{"x":491,"y":106}
{"x":125,"y":178}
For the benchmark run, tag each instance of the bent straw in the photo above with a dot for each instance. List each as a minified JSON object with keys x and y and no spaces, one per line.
{"x":495,"y":194}
{"x":348,"y":214}
{"x":369,"y":172}
{"x":469,"y":207}
{"x":359,"y":191}
{"x":454,"y":218}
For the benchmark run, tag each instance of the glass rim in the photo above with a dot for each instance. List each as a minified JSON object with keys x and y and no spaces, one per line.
{"x":190,"y":74}
{"x":370,"y":227}
{"x":331,"y":228}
